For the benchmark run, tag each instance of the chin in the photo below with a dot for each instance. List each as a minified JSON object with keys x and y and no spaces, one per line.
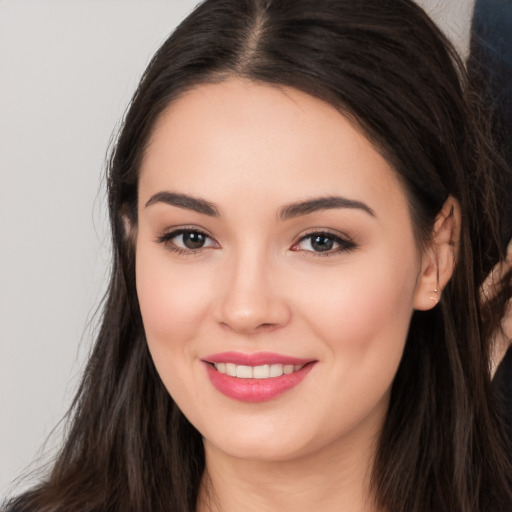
{"x":258,"y":448}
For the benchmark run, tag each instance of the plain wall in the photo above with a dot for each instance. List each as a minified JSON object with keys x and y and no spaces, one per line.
{"x":67,"y":71}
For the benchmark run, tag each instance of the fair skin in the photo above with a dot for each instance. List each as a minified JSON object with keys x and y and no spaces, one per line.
{"x":492,"y":285}
{"x":245,"y":273}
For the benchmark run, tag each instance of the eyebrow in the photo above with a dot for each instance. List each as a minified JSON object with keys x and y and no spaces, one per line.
{"x":185,"y":201}
{"x":322,"y":203}
{"x":287,"y":212}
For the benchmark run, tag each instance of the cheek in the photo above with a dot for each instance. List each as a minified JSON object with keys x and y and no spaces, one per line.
{"x":172,"y":308}
{"x":170,"y":297}
{"x":362,"y":317}
{"x":363,"y":311}
{"x":173,"y":302}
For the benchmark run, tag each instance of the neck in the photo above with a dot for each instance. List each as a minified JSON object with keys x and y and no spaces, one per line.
{"x":332,"y":479}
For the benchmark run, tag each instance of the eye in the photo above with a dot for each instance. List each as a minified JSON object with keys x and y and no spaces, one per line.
{"x":323,"y":242}
{"x":187,"y":240}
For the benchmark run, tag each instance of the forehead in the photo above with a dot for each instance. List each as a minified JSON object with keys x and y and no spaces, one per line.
{"x":262,"y":144}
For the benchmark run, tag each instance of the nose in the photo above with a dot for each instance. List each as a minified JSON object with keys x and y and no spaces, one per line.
{"x":252,"y":299}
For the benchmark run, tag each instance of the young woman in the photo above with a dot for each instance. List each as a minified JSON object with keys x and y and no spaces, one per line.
{"x":303,"y":206}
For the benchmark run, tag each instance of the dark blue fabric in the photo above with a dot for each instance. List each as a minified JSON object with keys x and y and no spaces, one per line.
{"x":490,"y":69}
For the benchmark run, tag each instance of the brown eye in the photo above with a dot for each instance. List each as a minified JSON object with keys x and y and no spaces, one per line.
{"x":187,"y":240}
{"x":193,"y":240}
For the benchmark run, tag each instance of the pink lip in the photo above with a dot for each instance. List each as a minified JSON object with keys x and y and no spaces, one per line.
{"x":255,"y":390}
{"x":255,"y":359}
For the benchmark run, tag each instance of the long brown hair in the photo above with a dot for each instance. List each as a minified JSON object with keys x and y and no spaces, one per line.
{"x":385,"y":65}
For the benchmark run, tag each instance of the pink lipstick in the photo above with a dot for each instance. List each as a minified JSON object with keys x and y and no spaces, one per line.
{"x":255,"y":377}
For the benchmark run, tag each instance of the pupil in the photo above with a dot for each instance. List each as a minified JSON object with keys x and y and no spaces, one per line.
{"x":322,"y":243}
{"x":193,"y":240}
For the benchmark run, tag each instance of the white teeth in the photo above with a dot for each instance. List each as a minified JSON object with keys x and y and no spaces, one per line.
{"x":230,"y":369}
{"x":287,"y":369}
{"x":276,"y":370}
{"x":244,"y":372}
{"x":261,"y":372}
{"x":264,"y":371}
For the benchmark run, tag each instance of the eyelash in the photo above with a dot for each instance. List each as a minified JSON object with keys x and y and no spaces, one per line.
{"x":345,"y":243}
{"x":167,"y":238}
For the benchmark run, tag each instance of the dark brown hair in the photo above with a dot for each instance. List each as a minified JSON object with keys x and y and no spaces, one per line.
{"x":386,"y":66}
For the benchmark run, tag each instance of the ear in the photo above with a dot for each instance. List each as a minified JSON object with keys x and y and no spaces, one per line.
{"x":439,"y":257}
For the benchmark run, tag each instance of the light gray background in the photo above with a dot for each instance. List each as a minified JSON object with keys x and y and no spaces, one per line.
{"x":67,"y":71}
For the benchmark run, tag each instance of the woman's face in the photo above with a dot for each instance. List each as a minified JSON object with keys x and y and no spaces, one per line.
{"x":277,"y":270}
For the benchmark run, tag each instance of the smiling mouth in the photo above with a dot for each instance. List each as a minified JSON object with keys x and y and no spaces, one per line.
{"x":264,"y":371}
{"x":255,"y":382}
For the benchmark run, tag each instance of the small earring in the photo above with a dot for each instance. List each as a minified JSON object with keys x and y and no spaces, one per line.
{"x":435,"y":299}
